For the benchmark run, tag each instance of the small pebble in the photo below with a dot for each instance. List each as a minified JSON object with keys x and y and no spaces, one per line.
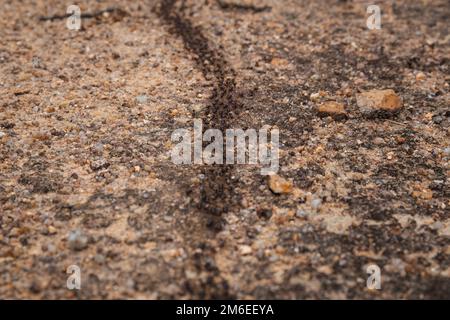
{"x":51,"y":230}
{"x":265,"y":214}
{"x":332,"y":109}
{"x":420,"y":76}
{"x":98,"y":148}
{"x":99,"y":164}
{"x":447,"y":151}
{"x":36,"y":286}
{"x":437,"y":225}
{"x":197,"y":108}
{"x":51,"y":247}
{"x":314,"y":96}
{"x":77,"y":240}
{"x":378,"y":141}
{"x":142,"y":98}
{"x":379,"y":100}
{"x":279,"y":185}
{"x":437,"y":119}
{"x":316,"y":203}
{"x":245,"y":250}
{"x":99,"y":258}
{"x":301,"y":213}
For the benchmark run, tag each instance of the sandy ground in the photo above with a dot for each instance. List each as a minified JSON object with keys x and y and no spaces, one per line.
{"x":86,"y":177}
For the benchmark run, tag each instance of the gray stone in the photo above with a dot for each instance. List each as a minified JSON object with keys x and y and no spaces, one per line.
{"x":142,"y":98}
{"x":77,"y":240}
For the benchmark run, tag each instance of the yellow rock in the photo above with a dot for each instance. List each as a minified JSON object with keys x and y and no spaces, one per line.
{"x":379,"y":100}
{"x":420,"y":76}
{"x":245,"y":250}
{"x":425,"y":194}
{"x":51,"y":230}
{"x":278,"y":62}
{"x":331,"y":108}
{"x":279,"y":185}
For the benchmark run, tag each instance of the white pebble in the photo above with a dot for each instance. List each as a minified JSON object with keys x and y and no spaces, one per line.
{"x":316,"y":203}
{"x":142,"y":98}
